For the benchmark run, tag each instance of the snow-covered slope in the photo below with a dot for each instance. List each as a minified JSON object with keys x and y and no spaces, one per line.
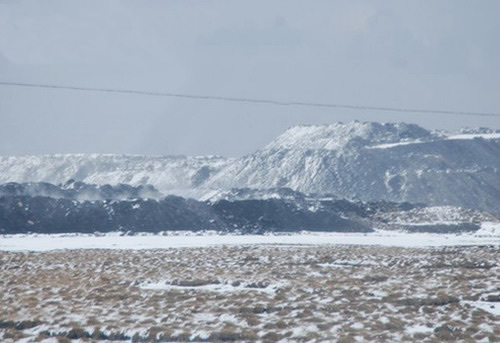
{"x":170,"y":174}
{"x":357,"y":160}
{"x":372,"y":161}
{"x":339,"y":136}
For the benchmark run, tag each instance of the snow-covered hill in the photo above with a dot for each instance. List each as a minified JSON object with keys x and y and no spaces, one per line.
{"x":358,"y":160}
{"x":170,"y":174}
{"x":339,"y":136}
{"x":372,"y":161}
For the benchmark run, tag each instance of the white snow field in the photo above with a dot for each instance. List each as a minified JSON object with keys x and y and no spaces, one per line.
{"x":489,"y":234}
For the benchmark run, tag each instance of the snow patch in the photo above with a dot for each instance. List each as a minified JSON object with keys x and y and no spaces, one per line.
{"x":212,"y":287}
{"x":491,"y":307}
{"x":475,"y":135}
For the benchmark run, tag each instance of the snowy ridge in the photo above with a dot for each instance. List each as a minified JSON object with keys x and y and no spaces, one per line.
{"x":169,"y":174}
{"x":339,"y":135}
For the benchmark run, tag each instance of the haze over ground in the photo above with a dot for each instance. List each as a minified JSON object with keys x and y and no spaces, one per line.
{"x":437,"y":55}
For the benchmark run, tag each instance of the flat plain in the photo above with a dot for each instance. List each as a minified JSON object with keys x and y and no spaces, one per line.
{"x":268,"y":293}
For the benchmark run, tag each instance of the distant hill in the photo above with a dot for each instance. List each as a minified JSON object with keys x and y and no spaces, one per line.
{"x":365,"y":161}
{"x":372,"y":161}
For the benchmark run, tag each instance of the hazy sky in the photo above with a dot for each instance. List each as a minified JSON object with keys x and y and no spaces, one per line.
{"x":425,"y":54}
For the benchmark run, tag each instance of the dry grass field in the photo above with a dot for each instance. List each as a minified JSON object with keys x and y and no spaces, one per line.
{"x":262,"y":293}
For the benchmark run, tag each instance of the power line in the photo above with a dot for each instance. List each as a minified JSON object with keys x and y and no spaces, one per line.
{"x":251,"y":100}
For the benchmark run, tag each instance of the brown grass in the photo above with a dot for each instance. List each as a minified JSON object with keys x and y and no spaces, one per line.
{"x":391,"y":290}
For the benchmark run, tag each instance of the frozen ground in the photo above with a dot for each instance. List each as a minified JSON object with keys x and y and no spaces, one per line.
{"x":384,"y":286}
{"x":262,"y":293}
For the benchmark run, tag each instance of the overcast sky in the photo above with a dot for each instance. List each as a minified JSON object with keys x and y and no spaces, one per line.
{"x":424,"y":54}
